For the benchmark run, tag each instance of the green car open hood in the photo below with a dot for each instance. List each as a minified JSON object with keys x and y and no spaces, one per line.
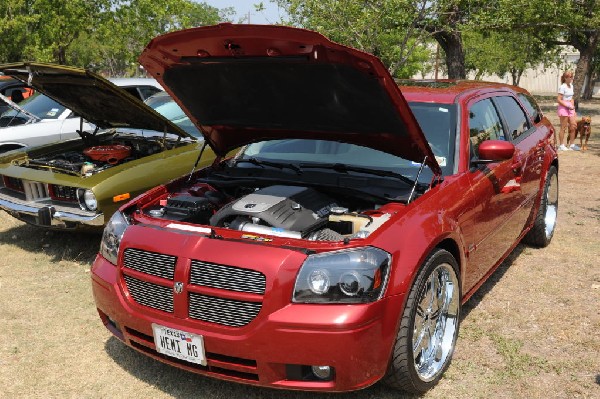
{"x":92,"y":97}
{"x":247,"y":83}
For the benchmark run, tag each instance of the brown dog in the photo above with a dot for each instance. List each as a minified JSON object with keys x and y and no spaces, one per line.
{"x":584,"y":130}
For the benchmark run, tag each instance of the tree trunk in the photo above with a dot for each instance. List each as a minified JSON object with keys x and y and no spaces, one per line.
{"x":589,"y":89}
{"x":451,"y":43}
{"x":516,"y":76}
{"x":60,"y":55}
{"x":584,"y":65}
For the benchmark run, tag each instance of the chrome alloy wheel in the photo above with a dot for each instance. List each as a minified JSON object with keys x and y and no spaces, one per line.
{"x":551,"y":205}
{"x":436,"y":322}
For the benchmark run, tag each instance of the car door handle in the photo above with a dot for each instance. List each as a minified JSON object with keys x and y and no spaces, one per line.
{"x":540,"y":148}
{"x":516,"y":166}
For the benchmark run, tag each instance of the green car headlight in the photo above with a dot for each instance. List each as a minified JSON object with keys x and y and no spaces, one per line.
{"x":357,"y":275}
{"x":87,"y":200}
{"x":111,"y":237}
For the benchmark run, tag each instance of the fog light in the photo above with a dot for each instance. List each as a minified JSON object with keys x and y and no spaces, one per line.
{"x":321,"y":372}
{"x":113,"y":323}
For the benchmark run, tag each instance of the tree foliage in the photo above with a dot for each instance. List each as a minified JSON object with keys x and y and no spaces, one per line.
{"x":371,"y":26}
{"x":105,"y":34}
{"x":506,"y":53}
{"x":568,"y":22}
{"x":492,"y":36}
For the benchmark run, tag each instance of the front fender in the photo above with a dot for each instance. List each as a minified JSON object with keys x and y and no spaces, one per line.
{"x":429,"y":222}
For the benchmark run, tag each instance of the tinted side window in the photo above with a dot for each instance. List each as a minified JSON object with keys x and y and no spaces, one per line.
{"x":515,"y":117}
{"x":531,"y":106}
{"x":484,"y":124}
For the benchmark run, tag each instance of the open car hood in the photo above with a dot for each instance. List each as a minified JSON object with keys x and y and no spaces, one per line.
{"x":91,"y":96}
{"x":246,"y":83}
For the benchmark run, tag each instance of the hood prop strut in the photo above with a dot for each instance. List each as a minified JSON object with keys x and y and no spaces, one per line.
{"x":88,"y":138}
{"x":197,"y":161}
{"x":416,"y":180}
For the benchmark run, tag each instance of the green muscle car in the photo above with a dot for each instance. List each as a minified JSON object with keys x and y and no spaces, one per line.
{"x":79,"y":183}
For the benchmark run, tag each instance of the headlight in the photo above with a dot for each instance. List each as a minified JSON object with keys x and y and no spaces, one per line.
{"x":111,"y":237}
{"x":87,"y":200}
{"x":350,"y":276}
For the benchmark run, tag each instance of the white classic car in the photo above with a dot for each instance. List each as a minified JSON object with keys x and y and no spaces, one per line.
{"x":41,"y":120}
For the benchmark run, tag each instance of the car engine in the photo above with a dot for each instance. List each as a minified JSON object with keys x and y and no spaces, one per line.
{"x":91,"y":159}
{"x":278,"y":210}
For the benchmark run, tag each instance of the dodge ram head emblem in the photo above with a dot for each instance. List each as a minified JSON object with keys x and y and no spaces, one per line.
{"x":178,"y":287}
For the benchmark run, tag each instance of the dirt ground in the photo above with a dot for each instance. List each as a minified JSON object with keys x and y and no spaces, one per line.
{"x":532,"y":331}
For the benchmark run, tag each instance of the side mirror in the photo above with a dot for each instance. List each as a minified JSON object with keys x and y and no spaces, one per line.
{"x":494,"y":151}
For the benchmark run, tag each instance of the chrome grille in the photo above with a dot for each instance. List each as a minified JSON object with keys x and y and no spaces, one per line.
{"x":227,"y":277}
{"x":150,"y":263}
{"x":228,"y":312}
{"x":150,"y":294}
{"x":35,"y":191}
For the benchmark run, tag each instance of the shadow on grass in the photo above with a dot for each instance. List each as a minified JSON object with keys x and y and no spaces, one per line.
{"x":58,"y":245}
{"x":491,"y":281}
{"x":183,"y":384}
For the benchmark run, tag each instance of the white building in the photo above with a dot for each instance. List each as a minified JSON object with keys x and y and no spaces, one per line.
{"x":540,"y":81}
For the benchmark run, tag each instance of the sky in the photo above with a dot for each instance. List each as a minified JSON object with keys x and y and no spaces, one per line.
{"x":271,"y":15}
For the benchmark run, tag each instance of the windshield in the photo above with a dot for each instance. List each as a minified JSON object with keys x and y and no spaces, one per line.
{"x":39,"y":105}
{"x":167,"y":107}
{"x":437,"y":121}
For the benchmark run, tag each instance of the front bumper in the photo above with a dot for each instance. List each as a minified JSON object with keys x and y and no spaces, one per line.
{"x":356,"y":340}
{"x":45,"y":214}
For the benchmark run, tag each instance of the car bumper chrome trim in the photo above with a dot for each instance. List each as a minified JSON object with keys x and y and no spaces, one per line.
{"x":60,"y":216}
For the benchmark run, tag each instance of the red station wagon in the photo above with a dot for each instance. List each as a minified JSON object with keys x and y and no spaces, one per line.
{"x":337,"y":247}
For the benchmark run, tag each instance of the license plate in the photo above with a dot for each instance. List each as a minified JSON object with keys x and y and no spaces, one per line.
{"x":179,"y":344}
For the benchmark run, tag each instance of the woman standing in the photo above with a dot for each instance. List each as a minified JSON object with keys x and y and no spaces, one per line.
{"x":566,"y":112}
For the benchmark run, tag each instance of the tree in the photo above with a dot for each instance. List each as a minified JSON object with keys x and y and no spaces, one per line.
{"x":106,"y":34}
{"x":584,"y":34}
{"x":570,"y":22}
{"x":58,"y":24}
{"x":385,"y":28}
{"x":445,"y":20}
{"x":135,"y":22}
{"x":503,"y":53}
{"x":15,"y":18}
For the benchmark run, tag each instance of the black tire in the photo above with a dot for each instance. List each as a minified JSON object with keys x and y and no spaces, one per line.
{"x":406,"y":370}
{"x":544,"y":223}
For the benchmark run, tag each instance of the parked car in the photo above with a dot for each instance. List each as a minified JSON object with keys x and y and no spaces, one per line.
{"x":337,"y":247}
{"x":41,"y":119}
{"x":79,"y":183}
{"x":9,"y":87}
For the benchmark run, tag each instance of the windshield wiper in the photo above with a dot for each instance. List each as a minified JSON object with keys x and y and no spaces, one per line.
{"x":343,"y":168}
{"x":262,"y":164}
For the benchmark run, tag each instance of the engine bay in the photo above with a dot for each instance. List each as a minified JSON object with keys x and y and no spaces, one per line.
{"x":91,"y":157}
{"x":279,"y":210}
